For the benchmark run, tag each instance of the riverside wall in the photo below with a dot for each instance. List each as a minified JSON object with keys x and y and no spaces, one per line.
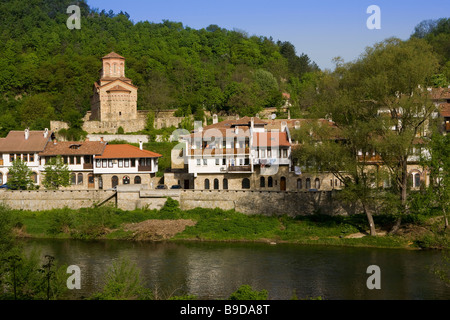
{"x":247,"y":202}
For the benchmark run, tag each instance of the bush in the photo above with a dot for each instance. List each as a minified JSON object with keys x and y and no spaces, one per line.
{"x":245,"y":292}
{"x":123,"y":282}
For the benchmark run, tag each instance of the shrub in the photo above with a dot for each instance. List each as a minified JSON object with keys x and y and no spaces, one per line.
{"x":245,"y":292}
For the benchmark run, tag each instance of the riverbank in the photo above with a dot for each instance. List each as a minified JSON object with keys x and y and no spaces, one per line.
{"x":172,"y":224}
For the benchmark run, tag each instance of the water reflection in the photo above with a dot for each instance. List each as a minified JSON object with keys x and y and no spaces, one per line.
{"x":215,"y":270}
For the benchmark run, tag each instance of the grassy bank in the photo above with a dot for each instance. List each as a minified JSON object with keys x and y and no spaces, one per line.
{"x":219,"y":225}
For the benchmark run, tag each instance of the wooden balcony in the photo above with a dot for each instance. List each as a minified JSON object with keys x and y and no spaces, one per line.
{"x":1,"y":162}
{"x":247,"y":168}
{"x":145,"y":168}
{"x":88,"y":166}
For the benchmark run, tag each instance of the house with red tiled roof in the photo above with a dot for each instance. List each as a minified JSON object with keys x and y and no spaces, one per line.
{"x":92,"y":164}
{"x":237,"y":154}
{"x":26,"y":146}
{"x":124,"y":164}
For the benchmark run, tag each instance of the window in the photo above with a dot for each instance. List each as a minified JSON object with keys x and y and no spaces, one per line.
{"x":308,"y":184}
{"x":317,"y":183}
{"x":270,"y":182}
{"x":72,"y":160}
{"x":133,"y":163}
{"x":299,"y":184}
{"x":269,"y":153}
{"x":331,"y":183}
{"x":246,"y":183}
{"x":32,"y":157}
{"x":126,"y":163}
{"x":137,"y":180}
{"x":120,"y":163}
{"x":80,"y":179}
{"x":262,"y":182}
{"x":216,"y":184}
{"x":73,"y":178}
{"x":225,"y":184}
{"x":1,"y":178}
{"x":285,"y":153}
{"x":262,"y":153}
{"x":217,"y":162}
{"x":224,"y":161}
{"x":98,"y":163}
{"x":11,"y":158}
{"x":199,"y":162}
{"x":205,"y":162}
{"x":206,"y":184}
{"x":104,"y":163}
{"x":416,"y":180}
{"x":78,"y":159}
{"x":110,"y":163}
{"x":114,"y":181}
{"x":126,"y":180}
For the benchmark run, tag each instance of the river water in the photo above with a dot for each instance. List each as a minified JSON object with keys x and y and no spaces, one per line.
{"x":215,"y":270}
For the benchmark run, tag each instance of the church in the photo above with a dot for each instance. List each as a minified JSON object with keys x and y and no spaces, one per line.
{"x":113,"y":103}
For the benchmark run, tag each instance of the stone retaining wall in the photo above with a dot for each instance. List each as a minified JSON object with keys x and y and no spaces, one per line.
{"x":248,"y":202}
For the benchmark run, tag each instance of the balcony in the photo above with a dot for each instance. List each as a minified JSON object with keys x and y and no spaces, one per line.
{"x":88,"y":166}
{"x":145,"y":168}
{"x":247,"y":168}
{"x":447,"y":127}
{"x":1,"y":162}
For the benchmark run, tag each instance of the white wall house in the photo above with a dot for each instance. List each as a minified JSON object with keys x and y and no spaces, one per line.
{"x":25,"y":145}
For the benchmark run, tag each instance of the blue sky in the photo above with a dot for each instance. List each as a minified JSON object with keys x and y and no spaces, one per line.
{"x":322,"y":29}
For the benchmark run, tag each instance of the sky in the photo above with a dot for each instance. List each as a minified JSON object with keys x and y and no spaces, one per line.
{"x":322,"y":29}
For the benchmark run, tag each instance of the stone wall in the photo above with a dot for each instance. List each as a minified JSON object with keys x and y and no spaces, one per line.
{"x":47,"y":200}
{"x":248,"y":202}
{"x":266,"y":202}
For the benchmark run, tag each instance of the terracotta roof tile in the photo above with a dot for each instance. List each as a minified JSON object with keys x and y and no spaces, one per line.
{"x":67,"y":148}
{"x":270,"y":139}
{"x":122,"y":151}
{"x":445,"y":110}
{"x":118,"y":88}
{"x":113,"y":55}
{"x":15,"y":141}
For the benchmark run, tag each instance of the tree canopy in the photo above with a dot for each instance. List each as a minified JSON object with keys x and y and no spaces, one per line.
{"x":48,"y":69}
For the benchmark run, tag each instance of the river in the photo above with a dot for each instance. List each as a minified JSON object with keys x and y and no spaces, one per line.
{"x":215,"y":270}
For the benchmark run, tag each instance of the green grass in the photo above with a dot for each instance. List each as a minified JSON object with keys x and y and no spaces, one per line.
{"x":220,"y":225}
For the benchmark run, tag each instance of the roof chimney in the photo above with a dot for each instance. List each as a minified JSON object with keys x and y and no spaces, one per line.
{"x":215,"y":119}
{"x":141,"y":144}
{"x":27,"y":134}
{"x":101,"y":140}
{"x":236,"y":130}
{"x":252,"y":122}
{"x":46,"y":133}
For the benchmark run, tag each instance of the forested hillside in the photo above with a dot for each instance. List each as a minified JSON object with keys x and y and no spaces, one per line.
{"x":47,"y":71}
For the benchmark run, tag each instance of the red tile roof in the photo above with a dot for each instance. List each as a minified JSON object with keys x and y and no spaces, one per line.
{"x":15,"y":142}
{"x":113,"y":55}
{"x":68,"y":148}
{"x":123,"y":151}
{"x":270,"y":139}
{"x":445,"y":110}
{"x":440,"y":93}
{"x":118,"y":88}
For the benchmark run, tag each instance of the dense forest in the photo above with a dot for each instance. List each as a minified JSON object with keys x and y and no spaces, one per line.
{"x":47,"y":71}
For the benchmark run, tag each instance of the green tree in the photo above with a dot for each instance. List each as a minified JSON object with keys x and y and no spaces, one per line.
{"x":56,"y":174}
{"x":20,"y":176}
{"x":437,"y":163}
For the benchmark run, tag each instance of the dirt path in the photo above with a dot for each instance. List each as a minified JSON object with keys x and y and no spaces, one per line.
{"x":157,"y":230}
